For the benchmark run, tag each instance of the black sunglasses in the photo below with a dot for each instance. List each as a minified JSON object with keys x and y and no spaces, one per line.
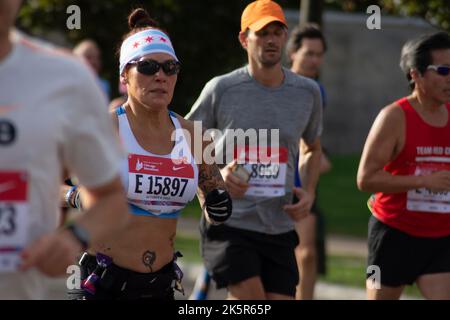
{"x":441,"y":70}
{"x":149,"y":67}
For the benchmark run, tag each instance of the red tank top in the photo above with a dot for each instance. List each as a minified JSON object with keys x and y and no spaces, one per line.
{"x":420,"y":212}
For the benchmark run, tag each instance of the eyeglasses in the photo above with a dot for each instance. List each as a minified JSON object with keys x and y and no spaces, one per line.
{"x":441,"y":70}
{"x":149,"y":67}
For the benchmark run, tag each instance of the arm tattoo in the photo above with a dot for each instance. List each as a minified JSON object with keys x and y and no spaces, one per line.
{"x":148,"y":258}
{"x":210,"y":178}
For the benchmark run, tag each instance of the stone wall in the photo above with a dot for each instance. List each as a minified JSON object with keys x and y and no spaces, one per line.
{"x":361,"y":73}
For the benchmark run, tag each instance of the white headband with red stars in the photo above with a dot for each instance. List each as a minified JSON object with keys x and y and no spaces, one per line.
{"x":143,"y":43}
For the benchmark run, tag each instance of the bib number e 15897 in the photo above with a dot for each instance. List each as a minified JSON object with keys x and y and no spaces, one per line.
{"x":159,"y":184}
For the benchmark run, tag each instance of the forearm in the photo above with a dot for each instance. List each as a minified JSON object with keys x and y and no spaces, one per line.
{"x":325,"y":164}
{"x":383,"y":181}
{"x":310,"y":169}
{"x":104,"y":214}
{"x":213,"y":196}
{"x":209,"y":179}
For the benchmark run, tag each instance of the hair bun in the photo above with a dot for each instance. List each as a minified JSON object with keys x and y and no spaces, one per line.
{"x":140,"y":18}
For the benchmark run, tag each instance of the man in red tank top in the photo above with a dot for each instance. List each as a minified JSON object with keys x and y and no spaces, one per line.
{"x":406,"y":163}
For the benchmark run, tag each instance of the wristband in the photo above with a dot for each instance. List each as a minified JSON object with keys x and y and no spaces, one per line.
{"x":218,"y":205}
{"x":68,"y":197}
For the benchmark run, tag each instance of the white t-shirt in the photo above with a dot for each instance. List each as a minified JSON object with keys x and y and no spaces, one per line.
{"x":52,"y":116}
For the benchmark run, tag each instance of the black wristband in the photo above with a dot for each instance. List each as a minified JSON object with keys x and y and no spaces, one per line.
{"x":80,"y":234}
{"x":218,"y":205}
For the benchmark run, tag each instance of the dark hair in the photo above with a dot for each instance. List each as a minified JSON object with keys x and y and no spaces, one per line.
{"x":310,"y":31}
{"x":416,"y":53}
{"x":138,"y":20}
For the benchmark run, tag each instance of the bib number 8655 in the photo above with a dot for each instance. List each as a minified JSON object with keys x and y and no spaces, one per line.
{"x":268,"y":171}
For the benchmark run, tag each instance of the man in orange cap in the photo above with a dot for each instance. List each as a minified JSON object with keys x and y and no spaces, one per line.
{"x":252,"y":254}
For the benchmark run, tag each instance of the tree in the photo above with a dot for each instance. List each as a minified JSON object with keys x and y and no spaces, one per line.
{"x":311,"y":11}
{"x":204,"y":32}
{"x":205,"y":37}
{"x":436,"y":12}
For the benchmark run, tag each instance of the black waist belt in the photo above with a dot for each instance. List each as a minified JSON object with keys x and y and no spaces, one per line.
{"x":120,"y":281}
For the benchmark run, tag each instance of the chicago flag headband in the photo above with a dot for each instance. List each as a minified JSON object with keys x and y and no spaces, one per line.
{"x":143,"y":43}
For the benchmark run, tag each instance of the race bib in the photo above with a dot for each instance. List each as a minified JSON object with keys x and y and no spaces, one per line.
{"x":160,"y":185}
{"x":424,"y":199}
{"x":267,"y":168}
{"x":14,"y":219}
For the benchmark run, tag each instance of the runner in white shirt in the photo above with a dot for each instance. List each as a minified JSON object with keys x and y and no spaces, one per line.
{"x":52,"y":119}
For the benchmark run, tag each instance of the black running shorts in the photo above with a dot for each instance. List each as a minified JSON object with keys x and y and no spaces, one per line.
{"x":403,"y":258}
{"x":233,"y":255}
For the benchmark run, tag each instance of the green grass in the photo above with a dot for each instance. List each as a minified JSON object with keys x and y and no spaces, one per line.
{"x":192,"y":210}
{"x":343,"y":205}
{"x":345,"y":270}
{"x":189,"y":247}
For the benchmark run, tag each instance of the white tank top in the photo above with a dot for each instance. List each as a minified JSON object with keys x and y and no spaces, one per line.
{"x":157,"y":185}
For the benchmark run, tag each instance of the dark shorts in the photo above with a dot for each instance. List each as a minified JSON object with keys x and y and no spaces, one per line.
{"x":233,"y":255}
{"x":403,"y":258}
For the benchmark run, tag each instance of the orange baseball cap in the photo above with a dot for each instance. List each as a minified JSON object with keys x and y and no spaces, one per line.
{"x":260,"y":13}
